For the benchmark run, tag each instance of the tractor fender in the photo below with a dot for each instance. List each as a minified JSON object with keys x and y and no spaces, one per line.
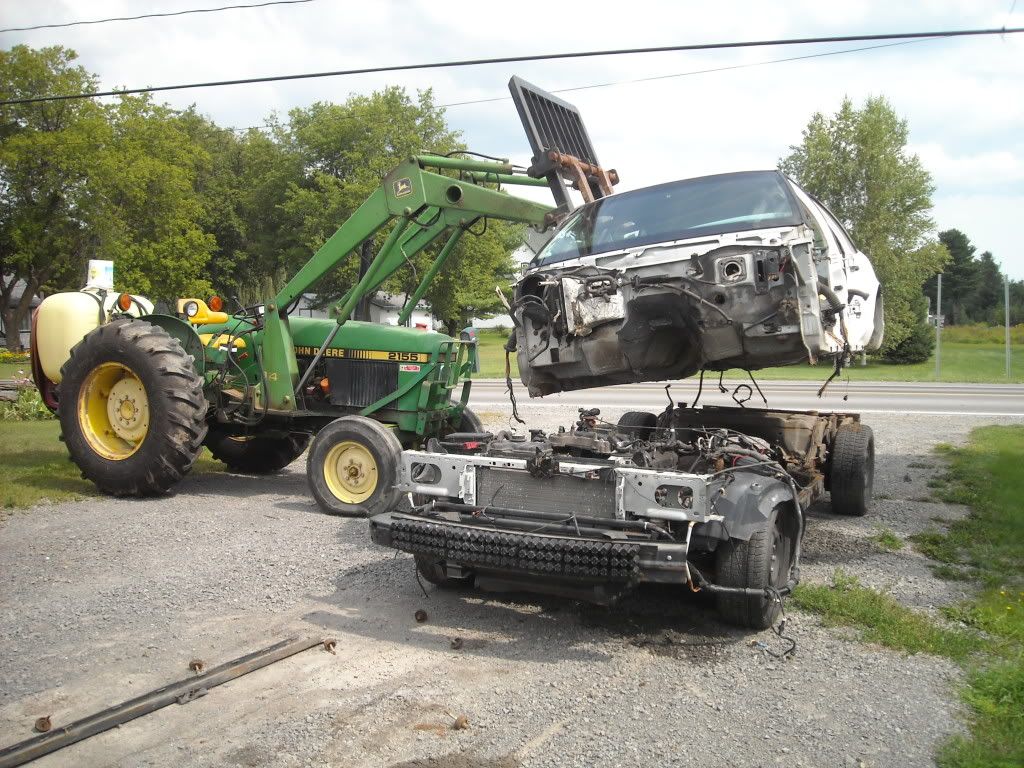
{"x":186,"y":335}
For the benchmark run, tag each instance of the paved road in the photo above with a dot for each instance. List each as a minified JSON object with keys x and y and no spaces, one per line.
{"x":865,"y":397}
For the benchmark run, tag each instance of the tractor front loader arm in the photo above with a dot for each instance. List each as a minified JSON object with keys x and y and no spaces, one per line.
{"x":424,"y":205}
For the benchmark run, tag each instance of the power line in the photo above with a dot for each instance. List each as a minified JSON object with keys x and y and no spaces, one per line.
{"x":154,"y":15}
{"x":533,"y":57}
{"x":700,"y":71}
{"x":658,"y":77}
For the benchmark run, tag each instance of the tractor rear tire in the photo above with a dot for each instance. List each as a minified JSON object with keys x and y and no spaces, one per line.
{"x":353,"y":467}
{"x":764,"y":560}
{"x":639,"y":425}
{"x":132,"y":410}
{"x":470,"y":422}
{"x":852,"y":470}
{"x":255,"y":454}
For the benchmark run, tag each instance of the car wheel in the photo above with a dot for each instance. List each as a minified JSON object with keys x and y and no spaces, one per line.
{"x":764,"y":560}
{"x":852,"y":470}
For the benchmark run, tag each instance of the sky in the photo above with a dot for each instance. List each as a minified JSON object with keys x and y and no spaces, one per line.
{"x":963,"y":99}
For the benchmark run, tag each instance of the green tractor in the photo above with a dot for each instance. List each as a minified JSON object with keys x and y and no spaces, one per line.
{"x":139,"y":393}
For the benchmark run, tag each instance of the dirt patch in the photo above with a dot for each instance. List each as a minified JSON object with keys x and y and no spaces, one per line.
{"x":834,"y":546}
{"x":460,"y":760}
{"x":695,"y":649}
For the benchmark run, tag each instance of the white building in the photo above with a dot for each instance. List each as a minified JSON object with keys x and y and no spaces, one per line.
{"x":384,"y":309}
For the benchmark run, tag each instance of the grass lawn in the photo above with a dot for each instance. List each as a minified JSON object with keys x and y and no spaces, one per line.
{"x":961,"y":362}
{"x":987,"y":548}
{"x":10,"y":370}
{"x":36,"y":467}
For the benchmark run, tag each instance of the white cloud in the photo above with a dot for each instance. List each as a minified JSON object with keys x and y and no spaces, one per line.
{"x":984,"y":170}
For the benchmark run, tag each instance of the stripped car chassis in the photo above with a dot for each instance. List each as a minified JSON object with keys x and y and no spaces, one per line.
{"x":713,"y":498}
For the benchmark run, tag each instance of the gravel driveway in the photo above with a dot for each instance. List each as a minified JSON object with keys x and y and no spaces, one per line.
{"x":102,"y":600}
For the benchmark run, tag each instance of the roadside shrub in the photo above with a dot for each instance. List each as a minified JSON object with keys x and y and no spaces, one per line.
{"x":28,"y":407}
{"x":916,"y":348}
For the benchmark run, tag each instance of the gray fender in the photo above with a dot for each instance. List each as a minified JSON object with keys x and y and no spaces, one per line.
{"x":748,"y":502}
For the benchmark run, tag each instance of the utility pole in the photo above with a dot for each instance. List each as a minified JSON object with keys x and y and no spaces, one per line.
{"x":938,"y":331}
{"x":1006,"y":304}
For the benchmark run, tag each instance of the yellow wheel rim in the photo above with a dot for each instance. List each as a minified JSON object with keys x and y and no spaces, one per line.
{"x":113,"y":411}
{"x":350,"y":472}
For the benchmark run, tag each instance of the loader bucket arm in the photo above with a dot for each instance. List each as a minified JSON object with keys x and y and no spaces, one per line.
{"x":421,"y":205}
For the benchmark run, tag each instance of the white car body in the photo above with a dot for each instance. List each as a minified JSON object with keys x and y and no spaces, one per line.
{"x":595,"y":309}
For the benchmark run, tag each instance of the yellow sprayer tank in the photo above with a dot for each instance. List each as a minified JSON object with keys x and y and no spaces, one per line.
{"x":65,"y":318}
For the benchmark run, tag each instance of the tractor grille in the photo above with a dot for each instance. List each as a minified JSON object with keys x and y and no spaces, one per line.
{"x":616,"y":561}
{"x":361,"y":382}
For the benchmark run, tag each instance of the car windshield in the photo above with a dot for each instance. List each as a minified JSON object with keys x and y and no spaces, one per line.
{"x":709,"y":205}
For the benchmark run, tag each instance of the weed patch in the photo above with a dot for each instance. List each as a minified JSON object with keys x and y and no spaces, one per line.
{"x":987,"y":546}
{"x":887,"y":539}
{"x":881,"y":619}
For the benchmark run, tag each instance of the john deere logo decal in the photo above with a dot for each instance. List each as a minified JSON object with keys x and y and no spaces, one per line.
{"x":403,"y":187}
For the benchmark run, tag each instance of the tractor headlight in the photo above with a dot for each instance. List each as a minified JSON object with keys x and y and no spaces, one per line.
{"x":191,"y":308}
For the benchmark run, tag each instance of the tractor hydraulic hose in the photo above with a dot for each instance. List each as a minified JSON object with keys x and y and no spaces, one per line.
{"x":463,"y":164}
{"x":316,"y":359}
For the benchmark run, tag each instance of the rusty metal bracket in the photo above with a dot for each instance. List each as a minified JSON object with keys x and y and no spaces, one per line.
{"x":585,"y":175}
{"x":180,"y":692}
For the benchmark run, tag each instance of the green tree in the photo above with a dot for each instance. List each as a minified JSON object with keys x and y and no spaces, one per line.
{"x":464,"y":289}
{"x":345,"y":151}
{"x":81,"y":180}
{"x":856,"y":162}
{"x":242,"y":189}
{"x":919,"y":344}
{"x":959,"y":279}
{"x":152,"y":218}
{"x":988,"y":296}
{"x":47,"y":151}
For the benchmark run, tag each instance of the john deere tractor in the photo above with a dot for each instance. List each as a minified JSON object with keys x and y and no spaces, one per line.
{"x":139,"y":393}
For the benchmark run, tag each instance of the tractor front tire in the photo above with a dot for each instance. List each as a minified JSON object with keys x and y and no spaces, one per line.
{"x":255,"y":454}
{"x":470,"y":422}
{"x":353,"y":467}
{"x":132,"y":408}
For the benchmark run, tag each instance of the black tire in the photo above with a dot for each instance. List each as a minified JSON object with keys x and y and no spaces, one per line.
{"x":366,"y":449}
{"x":132,"y":357}
{"x":638,"y":424}
{"x":253,"y":454}
{"x":764,"y":560}
{"x":470,"y":422}
{"x":852,"y":470}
